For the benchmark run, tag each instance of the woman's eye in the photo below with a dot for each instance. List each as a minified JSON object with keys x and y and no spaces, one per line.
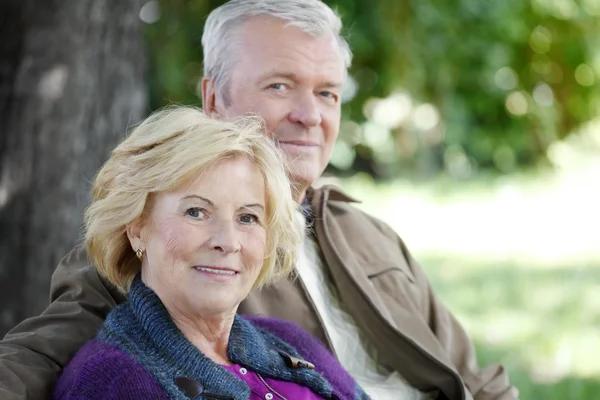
{"x":195,"y":212}
{"x":248,"y":219}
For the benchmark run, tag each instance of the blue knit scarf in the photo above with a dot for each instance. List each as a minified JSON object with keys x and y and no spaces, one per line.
{"x":143,"y":329}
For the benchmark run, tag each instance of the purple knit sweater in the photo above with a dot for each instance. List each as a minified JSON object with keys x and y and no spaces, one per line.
{"x":139,"y":352}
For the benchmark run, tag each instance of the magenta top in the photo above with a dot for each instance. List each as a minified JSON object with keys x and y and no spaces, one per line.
{"x":267,"y":388}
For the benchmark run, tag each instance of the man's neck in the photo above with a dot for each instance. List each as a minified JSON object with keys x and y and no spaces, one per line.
{"x":299,"y":190}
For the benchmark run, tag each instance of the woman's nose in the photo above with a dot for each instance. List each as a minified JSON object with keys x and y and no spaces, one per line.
{"x":225,"y":237}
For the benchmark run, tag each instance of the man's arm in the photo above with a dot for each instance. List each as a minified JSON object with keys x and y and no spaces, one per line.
{"x":490,"y":383}
{"x":34,"y":352}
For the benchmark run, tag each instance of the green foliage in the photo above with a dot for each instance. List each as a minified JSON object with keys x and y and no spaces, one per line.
{"x":500,"y":80}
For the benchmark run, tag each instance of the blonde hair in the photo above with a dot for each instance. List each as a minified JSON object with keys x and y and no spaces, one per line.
{"x":166,"y":150}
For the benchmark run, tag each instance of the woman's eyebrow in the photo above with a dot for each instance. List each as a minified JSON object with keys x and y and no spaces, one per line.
{"x":191,"y":196}
{"x":254,"y":205}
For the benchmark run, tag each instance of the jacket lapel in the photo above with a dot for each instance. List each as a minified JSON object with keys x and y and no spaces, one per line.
{"x":402,"y":340}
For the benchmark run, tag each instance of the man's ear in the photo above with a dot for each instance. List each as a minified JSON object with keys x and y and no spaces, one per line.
{"x":135,"y":234}
{"x":209,"y":97}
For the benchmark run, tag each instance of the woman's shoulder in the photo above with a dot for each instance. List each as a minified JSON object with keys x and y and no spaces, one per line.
{"x":95,"y":356}
{"x":102,"y":371}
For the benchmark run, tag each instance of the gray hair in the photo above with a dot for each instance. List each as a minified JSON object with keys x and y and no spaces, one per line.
{"x":311,"y":16}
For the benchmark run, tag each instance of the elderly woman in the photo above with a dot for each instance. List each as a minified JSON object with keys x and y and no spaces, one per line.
{"x":188,"y":216}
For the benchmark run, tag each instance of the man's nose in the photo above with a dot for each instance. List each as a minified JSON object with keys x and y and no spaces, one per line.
{"x":306,"y":110}
{"x":224,"y":237}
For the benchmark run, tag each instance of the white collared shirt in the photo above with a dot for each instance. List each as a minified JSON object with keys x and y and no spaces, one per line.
{"x":355,"y":354}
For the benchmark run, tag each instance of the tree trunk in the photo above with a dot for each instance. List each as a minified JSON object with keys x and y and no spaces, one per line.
{"x":72,"y":79}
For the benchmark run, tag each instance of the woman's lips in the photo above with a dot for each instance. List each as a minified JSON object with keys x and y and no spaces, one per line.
{"x":216,"y":271}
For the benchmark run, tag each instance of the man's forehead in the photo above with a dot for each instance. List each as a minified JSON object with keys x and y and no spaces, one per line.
{"x":277,"y":45}
{"x":261,"y":31}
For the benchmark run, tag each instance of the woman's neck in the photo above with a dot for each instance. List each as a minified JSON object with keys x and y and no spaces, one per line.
{"x":210,"y":334}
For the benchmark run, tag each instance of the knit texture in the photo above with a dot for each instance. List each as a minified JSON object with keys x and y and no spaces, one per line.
{"x":100,"y":371}
{"x":139,"y":349}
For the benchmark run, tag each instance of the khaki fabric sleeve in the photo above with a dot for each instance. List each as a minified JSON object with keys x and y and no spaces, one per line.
{"x":490,"y":383}
{"x":34,"y":352}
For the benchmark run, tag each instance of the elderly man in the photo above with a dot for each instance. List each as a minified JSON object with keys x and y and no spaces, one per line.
{"x":358,"y":288}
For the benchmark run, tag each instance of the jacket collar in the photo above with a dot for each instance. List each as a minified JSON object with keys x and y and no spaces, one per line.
{"x":315,"y":198}
{"x":331,"y":192}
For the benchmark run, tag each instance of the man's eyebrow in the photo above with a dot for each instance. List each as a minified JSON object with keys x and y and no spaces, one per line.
{"x":277,"y":74}
{"x":293,"y":77}
{"x":195,"y":196}
{"x":332,"y":84}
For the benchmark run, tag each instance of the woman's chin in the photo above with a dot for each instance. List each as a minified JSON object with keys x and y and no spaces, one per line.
{"x":213,"y":306}
{"x":214,"y":298}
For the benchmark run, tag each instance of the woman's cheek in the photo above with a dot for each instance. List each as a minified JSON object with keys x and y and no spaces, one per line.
{"x":178,"y":239}
{"x":256,"y":247}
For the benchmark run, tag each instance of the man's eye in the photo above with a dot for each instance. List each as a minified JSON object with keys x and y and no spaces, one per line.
{"x":248,"y":219}
{"x":195,"y":212}
{"x":278,"y":86}
{"x":329,"y":95}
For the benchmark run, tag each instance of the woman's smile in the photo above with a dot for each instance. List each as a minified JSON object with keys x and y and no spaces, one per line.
{"x":220,"y":273}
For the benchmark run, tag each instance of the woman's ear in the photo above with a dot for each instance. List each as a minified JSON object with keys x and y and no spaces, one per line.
{"x":135,"y":234}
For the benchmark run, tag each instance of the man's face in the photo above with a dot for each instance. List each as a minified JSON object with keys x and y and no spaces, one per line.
{"x":293,"y":81}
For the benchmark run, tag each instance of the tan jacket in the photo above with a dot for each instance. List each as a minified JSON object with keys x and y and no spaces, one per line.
{"x":379,"y":283}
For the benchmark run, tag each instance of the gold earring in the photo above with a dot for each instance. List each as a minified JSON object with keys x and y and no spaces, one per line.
{"x":139,"y":253}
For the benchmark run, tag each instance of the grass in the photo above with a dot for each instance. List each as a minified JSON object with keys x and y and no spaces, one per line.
{"x":517,"y":261}
{"x":542,"y":324}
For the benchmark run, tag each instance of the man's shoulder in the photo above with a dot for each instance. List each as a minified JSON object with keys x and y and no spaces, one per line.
{"x":77,"y":279}
{"x":361,"y":240}
{"x":77,"y":256}
{"x":343,"y":209}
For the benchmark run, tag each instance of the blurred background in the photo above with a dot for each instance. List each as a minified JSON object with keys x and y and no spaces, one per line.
{"x":472,"y":127}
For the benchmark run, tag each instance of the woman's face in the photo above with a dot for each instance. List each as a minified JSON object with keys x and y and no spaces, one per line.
{"x":205,"y":242}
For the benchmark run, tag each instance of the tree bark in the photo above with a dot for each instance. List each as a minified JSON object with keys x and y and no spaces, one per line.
{"x":72,"y":79}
